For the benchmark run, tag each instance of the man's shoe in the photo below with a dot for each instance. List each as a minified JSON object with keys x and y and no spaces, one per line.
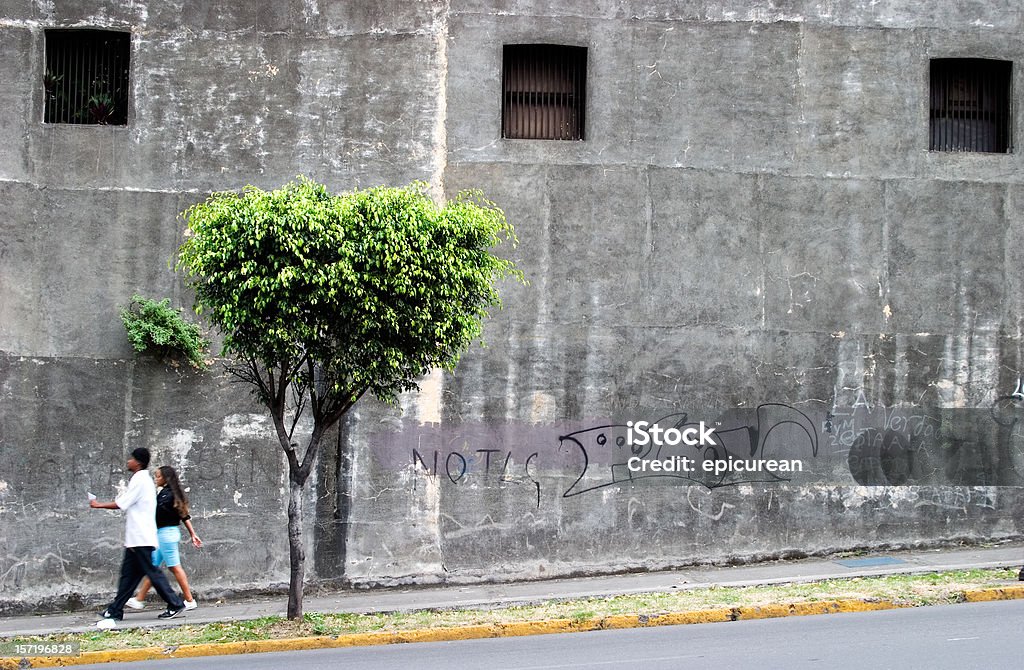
{"x":1020,"y":575}
{"x":190,"y":605}
{"x":107,"y":620}
{"x":171,"y":612}
{"x":135,"y":604}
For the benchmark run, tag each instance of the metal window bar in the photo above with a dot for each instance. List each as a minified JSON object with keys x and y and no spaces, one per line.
{"x":970,"y":105}
{"x":86,"y":77}
{"x":543,"y":92}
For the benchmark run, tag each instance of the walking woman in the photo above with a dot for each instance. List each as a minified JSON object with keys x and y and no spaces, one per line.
{"x":171,"y":510}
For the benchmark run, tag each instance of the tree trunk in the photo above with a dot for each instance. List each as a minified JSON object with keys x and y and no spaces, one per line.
{"x":296,"y":551}
{"x":334,"y":486}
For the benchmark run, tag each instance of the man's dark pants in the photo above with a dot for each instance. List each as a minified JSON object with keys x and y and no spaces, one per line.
{"x":138,"y":563}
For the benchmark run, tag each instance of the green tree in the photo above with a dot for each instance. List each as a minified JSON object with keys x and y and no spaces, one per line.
{"x":322,"y":298}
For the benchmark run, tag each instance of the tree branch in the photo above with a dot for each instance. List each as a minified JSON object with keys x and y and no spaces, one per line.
{"x":315,"y":400}
{"x":339,"y":410}
{"x":250,"y":374}
{"x":299,"y":400}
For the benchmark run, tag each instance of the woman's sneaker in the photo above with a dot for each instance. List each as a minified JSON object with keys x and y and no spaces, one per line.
{"x":135,"y":604}
{"x":190,"y":605}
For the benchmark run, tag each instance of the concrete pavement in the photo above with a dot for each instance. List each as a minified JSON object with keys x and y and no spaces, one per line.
{"x":492,"y":595}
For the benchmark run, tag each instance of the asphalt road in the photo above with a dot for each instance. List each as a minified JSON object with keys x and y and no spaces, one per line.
{"x":980,"y":635}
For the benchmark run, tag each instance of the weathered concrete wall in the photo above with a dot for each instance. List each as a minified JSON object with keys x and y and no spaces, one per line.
{"x":754,"y":218}
{"x":224,"y":94}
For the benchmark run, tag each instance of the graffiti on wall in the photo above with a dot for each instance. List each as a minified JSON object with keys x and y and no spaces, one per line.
{"x":866,"y":444}
{"x":486,"y":466}
{"x":776,"y":430}
{"x":599,"y":456}
{"x":930,"y":446}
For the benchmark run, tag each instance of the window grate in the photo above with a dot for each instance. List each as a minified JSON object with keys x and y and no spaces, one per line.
{"x":544,"y":92}
{"x":970,"y":105}
{"x":86,"y":78}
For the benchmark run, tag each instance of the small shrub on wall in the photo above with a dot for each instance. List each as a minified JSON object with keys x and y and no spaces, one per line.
{"x":155,"y":328}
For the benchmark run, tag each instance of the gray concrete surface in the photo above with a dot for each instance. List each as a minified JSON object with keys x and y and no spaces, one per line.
{"x":494,"y":595}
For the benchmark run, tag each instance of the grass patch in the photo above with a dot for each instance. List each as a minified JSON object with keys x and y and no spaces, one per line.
{"x":916,"y":590}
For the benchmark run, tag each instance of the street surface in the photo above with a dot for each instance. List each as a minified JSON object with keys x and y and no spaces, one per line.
{"x":977,"y":635}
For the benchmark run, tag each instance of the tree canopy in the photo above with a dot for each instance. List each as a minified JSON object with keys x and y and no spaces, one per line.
{"x":375,"y":286}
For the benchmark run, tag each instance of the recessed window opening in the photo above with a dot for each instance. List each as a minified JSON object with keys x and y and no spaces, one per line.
{"x":544,"y":92}
{"x":970,"y":105}
{"x":86,"y":77}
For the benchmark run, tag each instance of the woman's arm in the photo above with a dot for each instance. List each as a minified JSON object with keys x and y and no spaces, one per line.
{"x":195,"y":538}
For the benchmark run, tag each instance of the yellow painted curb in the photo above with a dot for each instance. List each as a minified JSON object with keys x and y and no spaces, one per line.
{"x":514,"y":629}
{"x":1002,"y":593}
{"x":808,"y":609}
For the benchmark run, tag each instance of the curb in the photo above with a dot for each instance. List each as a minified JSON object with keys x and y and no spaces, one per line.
{"x":515,"y":629}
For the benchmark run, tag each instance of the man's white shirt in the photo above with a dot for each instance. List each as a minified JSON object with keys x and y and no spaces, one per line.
{"x":139,"y":504}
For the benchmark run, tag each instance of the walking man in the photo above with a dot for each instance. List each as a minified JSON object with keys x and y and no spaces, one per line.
{"x":139,"y":505}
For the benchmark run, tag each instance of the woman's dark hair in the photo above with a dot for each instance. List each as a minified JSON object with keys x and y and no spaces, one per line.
{"x":171,"y":481}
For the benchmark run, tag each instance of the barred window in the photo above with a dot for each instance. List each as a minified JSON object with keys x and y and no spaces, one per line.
{"x":86,"y":78}
{"x":970,"y":105}
{"x":544,"y":92}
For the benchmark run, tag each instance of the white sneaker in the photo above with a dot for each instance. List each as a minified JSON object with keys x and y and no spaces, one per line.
{"x":135,"y":604}
{"x":190,"y":605}
{"x":106,"y":624}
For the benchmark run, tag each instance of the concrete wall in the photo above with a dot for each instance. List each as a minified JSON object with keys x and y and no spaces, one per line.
{"x":753,"y":220}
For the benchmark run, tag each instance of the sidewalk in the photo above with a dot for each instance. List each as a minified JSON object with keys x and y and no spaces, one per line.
{"x":490,"y":595}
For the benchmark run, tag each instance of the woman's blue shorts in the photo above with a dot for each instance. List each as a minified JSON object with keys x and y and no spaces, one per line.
{"x":167,"y":551}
